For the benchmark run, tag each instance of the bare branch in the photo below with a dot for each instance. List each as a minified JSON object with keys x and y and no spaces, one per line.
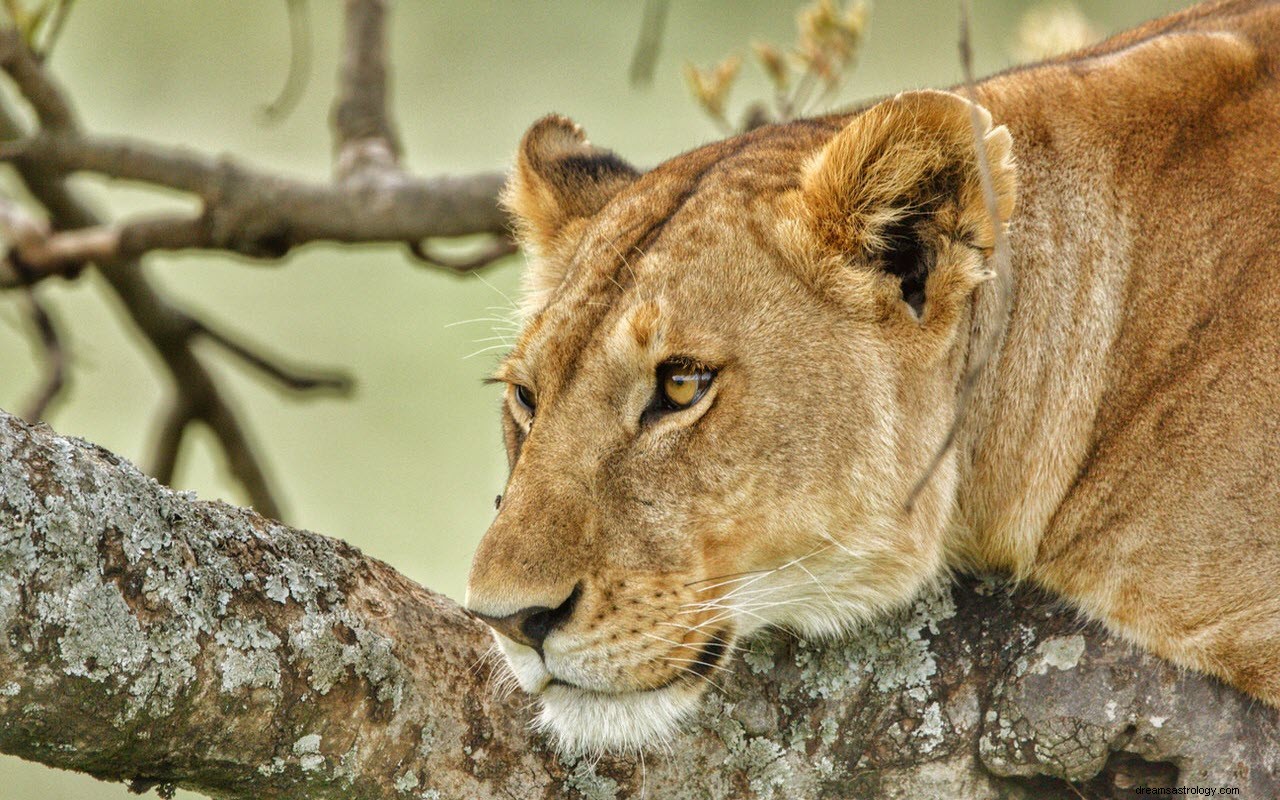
{"x":247,"y":210}
{"x":261,"y":215}
{"x":167,"y":328}
{"x":290,"y":377}
{"x":649,"y":44}
{"x":55,"y":360}
{"x":295,"y":80}
{"x":46,"y":98}
{"x":364,"y":137}
{"x":169,"y":435}
{"x":241,"y":454}
{"x":495,"y":250}
{"x":267,"y":662}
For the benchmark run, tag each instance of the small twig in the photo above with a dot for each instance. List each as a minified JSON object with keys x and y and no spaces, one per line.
{"x":241,"y":455}
{"x":645,"y":56}
{"x":295,"y":80}
{"x":53,"y":29}
{"x":982,"y":351}
{"x":290,"y":377}
{"x":498,"y":249}
{"x":55,"y":360}
{"x":169,"y":435}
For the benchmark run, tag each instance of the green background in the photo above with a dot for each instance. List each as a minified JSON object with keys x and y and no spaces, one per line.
{"x":407,"y":468}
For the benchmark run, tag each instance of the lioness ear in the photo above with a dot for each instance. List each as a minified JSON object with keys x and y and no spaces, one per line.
{"x":559,"y":177}
{"x":899,"y":190}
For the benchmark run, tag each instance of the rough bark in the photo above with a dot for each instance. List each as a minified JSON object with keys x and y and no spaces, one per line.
{"x":154,"y":638}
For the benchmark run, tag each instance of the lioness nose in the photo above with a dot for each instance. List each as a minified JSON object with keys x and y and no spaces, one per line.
{"x":531,"y":626}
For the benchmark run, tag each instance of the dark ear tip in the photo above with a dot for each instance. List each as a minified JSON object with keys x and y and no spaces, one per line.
{"x":552,"y":137}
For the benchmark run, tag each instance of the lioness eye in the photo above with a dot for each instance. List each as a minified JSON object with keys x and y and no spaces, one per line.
{"x":682,"y":384}
{"x":525,"y":398}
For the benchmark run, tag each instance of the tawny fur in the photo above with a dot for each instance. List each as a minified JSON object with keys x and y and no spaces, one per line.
{"x":1123,"y":444}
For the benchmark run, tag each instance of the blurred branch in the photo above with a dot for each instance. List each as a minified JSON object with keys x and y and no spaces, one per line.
{"x":167,"y":328}
{"x":259,"y":214}
{"x":55,"y":359}
{"x":244,"y":210}
{"x":499,"y":248}
{"x":295,"y":80}
{"x":169,"y":435}
{"x":290,"y":377}
{"x":364,"y":136}
{"x":648,"y":45}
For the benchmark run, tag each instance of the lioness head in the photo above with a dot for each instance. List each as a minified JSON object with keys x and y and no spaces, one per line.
{"x":733,"y":369}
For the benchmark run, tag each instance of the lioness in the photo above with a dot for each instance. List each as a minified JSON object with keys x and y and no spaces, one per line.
{"x":736,"y":366}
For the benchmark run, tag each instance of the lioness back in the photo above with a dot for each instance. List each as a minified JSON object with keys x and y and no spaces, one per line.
{"x":736,"y":367}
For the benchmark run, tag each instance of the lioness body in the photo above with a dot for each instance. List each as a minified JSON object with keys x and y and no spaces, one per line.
{"x":1124,"y":446}
{"x":1123,"y":443}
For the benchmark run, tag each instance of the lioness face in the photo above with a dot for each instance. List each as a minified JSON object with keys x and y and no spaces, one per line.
{"x":717,"y":408}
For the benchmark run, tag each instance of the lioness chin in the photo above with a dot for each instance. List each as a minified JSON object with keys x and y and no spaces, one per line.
{"x":735,"y":367}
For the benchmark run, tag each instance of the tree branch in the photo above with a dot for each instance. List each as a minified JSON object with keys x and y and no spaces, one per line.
{"x":364,"y":136}
{"x":167,"y":328}
{"x":55,"y":359}
{"x":247,"y":210}
{"x":157,"y":639}
{"x":262,"y":215}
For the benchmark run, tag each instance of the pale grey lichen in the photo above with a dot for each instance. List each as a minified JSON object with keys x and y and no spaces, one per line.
{"x":370,"y":656}
{"x":250,"y":659}
{"x":1060,"y":652}
{"x":932,"y":730}
{"x":130,"y":585}
{"x":307,"y":750}
{"x":588,"y":784}
{"x":893,"y":652}
{"x":407,"y":782}
{"x":761,"y":654}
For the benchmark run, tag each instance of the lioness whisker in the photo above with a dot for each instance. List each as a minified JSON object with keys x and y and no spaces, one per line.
{"x":716,"y":667}
{"x":751,"y":593}
{"x":698,"y":675}
{"x":820,"y":584}
{"x":787,"y":565}
{"x":732,"y":575}
{"x":486,"y":350}
{"x":727,"y":646}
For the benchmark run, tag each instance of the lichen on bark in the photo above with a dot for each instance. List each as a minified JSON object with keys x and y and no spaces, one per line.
{"x":151,"y":637}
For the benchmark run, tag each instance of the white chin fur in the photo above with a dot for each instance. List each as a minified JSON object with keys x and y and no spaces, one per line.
{"x":584,"y":722}
{"x":581,"y":721}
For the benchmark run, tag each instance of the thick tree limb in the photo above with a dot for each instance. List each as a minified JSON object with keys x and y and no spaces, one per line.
{"x":153,"y":638}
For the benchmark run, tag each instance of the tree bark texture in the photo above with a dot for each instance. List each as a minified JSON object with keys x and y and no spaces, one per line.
{"x":154,"y":638}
